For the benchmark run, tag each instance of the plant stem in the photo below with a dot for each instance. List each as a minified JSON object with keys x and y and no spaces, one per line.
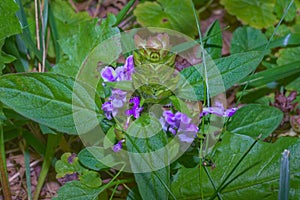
{"x":52,"y":143}
{"x":3,"y":169}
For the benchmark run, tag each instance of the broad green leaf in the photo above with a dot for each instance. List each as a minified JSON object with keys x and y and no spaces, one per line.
{"x":222,"y":74}
{"x":75,"y":190}
{"x":53,"y":100}
{"x":246,"y":39}
{"x":164,"y":14}
{"x":255,"y":119}
{"x":256,"y":177}
{"x":213,"y":44}
{"x":281,"y":6}
{"x":288,"y":55}
{"x":145,"y":136}
{"x":256,"y":13}
{"x":90,"y":157}
{"x":9,"y":23}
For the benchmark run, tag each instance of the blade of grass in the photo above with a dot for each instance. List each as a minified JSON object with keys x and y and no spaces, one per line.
{"x":206,"y":87}
{"x":3,"y":168}
{"x":234,"y":168}
{"x":273,"y":74}
{"x":26,"y":36}
{"x":54,"y":34}
{"x":284,"y":181}
{"x":123,"y":12}
{"x":27,"y":171}
{"x":44,"y":21}
{"x":37,"y":32}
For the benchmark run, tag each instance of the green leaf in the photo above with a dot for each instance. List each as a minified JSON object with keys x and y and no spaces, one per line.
{"x":288,"y":55}
{"x":9,"y":23}
{"x":90,"y":157}
{"x":255,"y":119}
{"x":273,"y":74}
{"x":53,"y":100}
{"x":256,"y":177}
{"x":164,"y":13}
{"x":180,"y":105}
{"x":78,"y":35}
{"x":281,"y":6}
{"x":91,"y":179}
{"x":213,"y":45}
{"x":246,"y":39}
{"x":134,"y":194}
{"x":222,"y":74}
{"x":145,"y":136}
{"x":256,"y":13}
{"x":76,"y":190}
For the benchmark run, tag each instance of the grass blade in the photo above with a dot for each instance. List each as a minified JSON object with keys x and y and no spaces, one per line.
{"x":284,"y":181}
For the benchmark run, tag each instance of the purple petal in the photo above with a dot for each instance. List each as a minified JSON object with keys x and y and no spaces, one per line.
{"x":108,"y":74}
{"x":187,"y":137}
{"x":213,"y":110}
{"x":230,"y":112}
{"x":117,"y":147}
{"x":183,"y":118}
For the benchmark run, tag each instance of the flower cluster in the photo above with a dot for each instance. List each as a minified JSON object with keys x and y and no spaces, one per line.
{"x":118,"y":97}
{"x":179,"y":123}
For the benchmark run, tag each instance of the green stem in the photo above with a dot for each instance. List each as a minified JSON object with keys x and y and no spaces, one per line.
{"x":212,"y":181}
{"x":3,"y":169}
{"x":52,"y":143}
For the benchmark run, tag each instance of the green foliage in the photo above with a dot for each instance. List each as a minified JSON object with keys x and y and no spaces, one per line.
{"x":256,"y":13}
{"x":288,"y":55}
{"x":213,"y":44}
{"x":280,"y":7}
{"x":10,"y":24}
{"x":231,"y":70}
{"x":255,"y":119}
{"x":78,"y":35}
{"x":140,"y":139}
{"x":246,"y":39}
{"x":49,"y":99}
{"x":76,"y":190}
{"x":69,"y":164}
{"x":257,"y":176}
{"x":164,"y":13}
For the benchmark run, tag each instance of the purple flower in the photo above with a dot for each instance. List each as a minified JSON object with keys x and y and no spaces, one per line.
{"x":179,"y":123}
{"x":117,"y":147}
{"x":108,"y":74}
{"x":108,"y":110}
{"x":136,"y":109}
{"x":123,"y":73}
{"x":218,"y":110}
{"x":118,"y":98}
